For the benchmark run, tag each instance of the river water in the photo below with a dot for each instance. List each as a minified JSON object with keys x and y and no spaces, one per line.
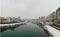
{"x":26,"y":30}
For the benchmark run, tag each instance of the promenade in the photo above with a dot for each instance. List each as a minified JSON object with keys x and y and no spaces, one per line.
{"x":2,"y":25}
{"x":53,"y":31}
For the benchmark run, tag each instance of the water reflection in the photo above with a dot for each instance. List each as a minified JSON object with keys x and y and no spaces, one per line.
{"x":40,"y":25}
{"x":12,"y":28}
{"x":26,"y":30}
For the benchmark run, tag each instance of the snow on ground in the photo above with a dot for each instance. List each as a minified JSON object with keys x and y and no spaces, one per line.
{"x":55,"y":32}
{"x":11,"y":24}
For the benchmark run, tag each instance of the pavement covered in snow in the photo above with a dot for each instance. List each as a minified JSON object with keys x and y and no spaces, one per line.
{"x":2,"y":25}
{"x":53,"y":31}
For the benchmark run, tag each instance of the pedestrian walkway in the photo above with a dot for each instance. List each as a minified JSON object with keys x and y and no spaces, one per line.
{"x":12,"y":24}
{"x":53,"y":31}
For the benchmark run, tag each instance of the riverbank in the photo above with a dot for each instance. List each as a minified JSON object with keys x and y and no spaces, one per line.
{"x":11,"y":24}
{"x":52,"y":31}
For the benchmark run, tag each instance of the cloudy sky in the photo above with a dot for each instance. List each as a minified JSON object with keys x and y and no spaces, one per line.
{"x":28,"y":8}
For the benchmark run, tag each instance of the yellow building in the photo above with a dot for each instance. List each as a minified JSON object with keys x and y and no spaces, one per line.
{"x":2,"y":19}
{"x":52,"y":16}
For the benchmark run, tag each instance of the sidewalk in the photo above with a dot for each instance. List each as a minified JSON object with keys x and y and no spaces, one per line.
{"x":2,"y":25}
{"x":53,"y":31}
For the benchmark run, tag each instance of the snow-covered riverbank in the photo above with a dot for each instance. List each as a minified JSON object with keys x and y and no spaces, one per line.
{"x":53,"y":31}
{"x":2,"y":25}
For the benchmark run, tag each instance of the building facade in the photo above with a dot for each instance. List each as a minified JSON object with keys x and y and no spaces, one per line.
{"x":58,"y":14}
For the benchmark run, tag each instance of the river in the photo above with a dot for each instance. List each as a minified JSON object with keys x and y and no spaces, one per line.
{"x":26,"y":30}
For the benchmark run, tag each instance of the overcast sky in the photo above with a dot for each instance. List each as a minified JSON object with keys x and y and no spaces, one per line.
{"x":28,"y":8}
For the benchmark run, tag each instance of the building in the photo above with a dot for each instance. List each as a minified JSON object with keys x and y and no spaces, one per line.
{"x":10,"y":20}
{"x":2,"y":19}
{"x":55,"y":17}
{"x":52,"y":16}
{"x":58,"y":14}
{"x":57,"y":21}
{"x":50,"y":19}
{"x":14,"y":19}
